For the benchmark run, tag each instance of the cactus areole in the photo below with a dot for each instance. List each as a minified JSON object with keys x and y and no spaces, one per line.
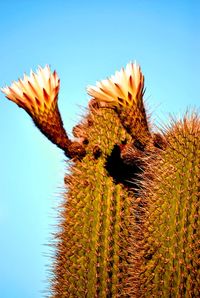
{"x":129,"y":220}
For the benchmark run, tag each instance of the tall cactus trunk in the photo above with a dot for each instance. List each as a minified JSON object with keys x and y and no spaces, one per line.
{"x":94,"y":231}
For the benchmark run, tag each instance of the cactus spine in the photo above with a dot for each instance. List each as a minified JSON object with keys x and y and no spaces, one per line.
{"x":130,"y":218}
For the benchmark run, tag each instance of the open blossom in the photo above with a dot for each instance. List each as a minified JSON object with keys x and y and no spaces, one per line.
{"x":35,"y":93}
{"x":38,"y":95}
{"x":125,"y":88}
{"x":124,"y":91}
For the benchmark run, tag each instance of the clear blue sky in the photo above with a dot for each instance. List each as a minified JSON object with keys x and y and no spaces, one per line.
{"x":84,"y":41}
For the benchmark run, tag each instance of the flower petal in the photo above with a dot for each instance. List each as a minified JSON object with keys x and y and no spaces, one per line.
{"x":34,"y":92}
{"x":125,"y":88}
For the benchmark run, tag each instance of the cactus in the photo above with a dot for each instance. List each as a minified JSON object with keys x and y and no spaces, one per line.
{"x":129,"y":219}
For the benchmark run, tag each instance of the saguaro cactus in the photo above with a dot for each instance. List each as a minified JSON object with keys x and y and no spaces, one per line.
{"x":129,"y":220}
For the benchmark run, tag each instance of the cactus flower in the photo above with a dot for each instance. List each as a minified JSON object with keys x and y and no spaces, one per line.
{"x":37,"y":94}
{"x":125,"y":88}
{"x":124,"y":91}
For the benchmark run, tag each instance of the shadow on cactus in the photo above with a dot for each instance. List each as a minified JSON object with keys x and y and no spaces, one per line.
{"x":129,"y":222}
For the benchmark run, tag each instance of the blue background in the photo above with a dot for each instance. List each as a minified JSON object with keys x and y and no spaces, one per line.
{"x":84,"y":41}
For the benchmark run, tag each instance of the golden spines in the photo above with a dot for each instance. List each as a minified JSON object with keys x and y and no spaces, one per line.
{"x":37,"y":94}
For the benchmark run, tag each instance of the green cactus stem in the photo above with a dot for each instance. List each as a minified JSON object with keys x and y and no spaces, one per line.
{"x":168,"y":262}
{"x":94,"y":233}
